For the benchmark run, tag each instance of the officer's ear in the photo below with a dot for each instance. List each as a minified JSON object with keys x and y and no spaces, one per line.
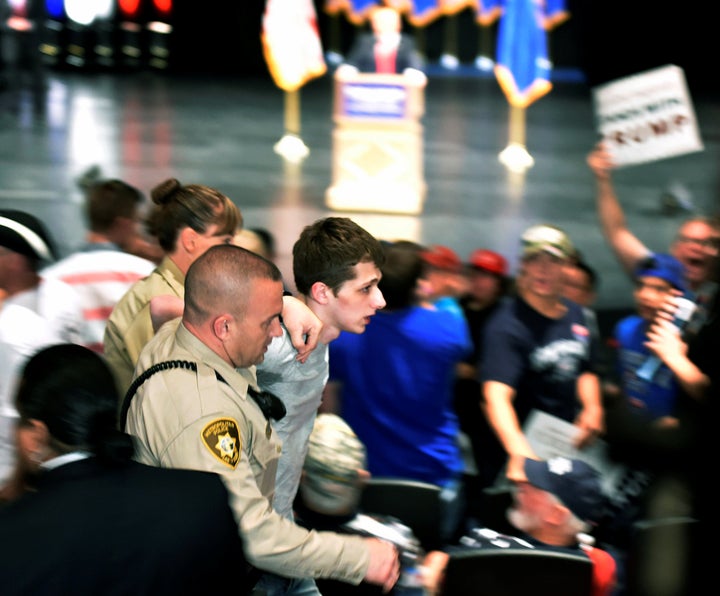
{"x":221,"y":326}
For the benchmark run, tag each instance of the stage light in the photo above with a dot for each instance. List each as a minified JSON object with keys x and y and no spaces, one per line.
{"x":18,"y":7}
{"x":81,"y":14}
{"x":130,"y":9}
{"x":104,"y":31}
{"x":55,"y":9}
{"x":50,"y":44}
{"x":131,"y":32}
{"x":163,"y":7}
{"x":159,"y":31}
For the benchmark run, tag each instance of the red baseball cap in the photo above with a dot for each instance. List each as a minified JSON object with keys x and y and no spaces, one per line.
{"x":442,"y":257}
{"x":488,"y":260}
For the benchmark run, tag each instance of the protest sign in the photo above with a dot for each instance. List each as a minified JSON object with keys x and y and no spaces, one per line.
{"x":647,"y":117}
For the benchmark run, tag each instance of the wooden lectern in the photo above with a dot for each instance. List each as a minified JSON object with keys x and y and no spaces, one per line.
{"x":377,"y":162}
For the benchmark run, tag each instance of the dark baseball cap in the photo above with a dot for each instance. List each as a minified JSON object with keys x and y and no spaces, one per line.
{"x":573,"y":481}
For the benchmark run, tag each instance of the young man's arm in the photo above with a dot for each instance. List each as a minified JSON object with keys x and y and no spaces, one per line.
{"x":302,"y":325}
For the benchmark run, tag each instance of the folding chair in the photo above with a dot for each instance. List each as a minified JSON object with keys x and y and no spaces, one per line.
{"x":517,"y":572}
{"x":415,"y":504}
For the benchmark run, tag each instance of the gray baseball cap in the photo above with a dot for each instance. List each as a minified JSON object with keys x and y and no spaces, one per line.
{"x":335,"y":457}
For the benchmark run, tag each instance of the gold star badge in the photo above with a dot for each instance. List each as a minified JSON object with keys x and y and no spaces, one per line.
{"x":222,"y":438}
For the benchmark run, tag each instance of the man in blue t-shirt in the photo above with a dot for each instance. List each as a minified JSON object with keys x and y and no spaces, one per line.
{"x":393,"y":384}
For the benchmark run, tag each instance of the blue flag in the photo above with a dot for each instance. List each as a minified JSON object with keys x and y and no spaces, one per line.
{"x":555,"y":14}
{"x":522,"y":67}
{"x":356,"y":11}
{"x":420,"y":13}
{"x":488,"y":11}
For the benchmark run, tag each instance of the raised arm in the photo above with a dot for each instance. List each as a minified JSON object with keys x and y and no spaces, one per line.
{"x":626,"y":246}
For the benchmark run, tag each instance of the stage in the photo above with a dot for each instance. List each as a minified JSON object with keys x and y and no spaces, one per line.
{"x":220,"y":130}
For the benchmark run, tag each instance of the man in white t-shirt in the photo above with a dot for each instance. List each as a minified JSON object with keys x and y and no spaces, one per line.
{"x":25,"y":247}
{"x":103,"y":269}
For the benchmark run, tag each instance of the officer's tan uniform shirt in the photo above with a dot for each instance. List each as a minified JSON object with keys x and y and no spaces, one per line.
{"x":129,"y":327}
{"x":192,"y":420}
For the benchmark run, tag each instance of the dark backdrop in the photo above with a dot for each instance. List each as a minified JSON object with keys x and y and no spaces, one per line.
{"x":605,"y":40}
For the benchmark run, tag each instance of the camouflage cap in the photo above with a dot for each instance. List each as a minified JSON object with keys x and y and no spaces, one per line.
{"x":330,"y":483}
{"x":546,"y":238}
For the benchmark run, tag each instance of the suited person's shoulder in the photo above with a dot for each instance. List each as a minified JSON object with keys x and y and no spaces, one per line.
{"x":176,"y":474}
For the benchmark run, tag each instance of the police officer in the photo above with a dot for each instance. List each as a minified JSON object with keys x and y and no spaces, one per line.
{"x":194,"y":404}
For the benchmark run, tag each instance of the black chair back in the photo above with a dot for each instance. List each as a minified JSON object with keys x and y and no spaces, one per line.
{"x":415,"y":504}
{"x":517,"y":572}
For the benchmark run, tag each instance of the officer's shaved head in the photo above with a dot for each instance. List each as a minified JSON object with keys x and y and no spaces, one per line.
{"x":220,"y":279}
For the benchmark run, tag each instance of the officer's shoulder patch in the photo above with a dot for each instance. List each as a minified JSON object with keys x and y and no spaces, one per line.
{"x":222,"y":438}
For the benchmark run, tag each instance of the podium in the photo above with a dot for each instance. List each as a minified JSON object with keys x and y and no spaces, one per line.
{"x":377,"y":161}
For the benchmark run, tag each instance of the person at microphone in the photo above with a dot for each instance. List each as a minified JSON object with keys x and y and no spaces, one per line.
{"x":385,"y":50}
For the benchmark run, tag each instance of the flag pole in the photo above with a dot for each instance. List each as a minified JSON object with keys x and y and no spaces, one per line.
{"x":523,"y":72}
{"x":334,"y":55}
{"x":485,"y":59}
{"x":293,"y":52}
{"x":517,"y":125}
{"x":515,"y":156}
{"x":291,"y":146}
{"x":292,"y":112}
{"x":449,"y":58}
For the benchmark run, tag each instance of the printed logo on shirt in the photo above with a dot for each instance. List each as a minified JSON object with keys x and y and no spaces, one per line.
{"x":580,"y":332}
{"x":559,"y":360}
{"x":222,"y":438}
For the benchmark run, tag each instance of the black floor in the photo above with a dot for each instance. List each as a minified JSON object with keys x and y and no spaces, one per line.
{"x":220,"y":131}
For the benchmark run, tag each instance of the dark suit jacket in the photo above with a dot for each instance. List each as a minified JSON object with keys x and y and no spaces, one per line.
{"x":130,"y":530}
{"x":362,"y":54}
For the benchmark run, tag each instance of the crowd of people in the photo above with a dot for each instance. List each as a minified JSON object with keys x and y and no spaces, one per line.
{"x":170,"y":341}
